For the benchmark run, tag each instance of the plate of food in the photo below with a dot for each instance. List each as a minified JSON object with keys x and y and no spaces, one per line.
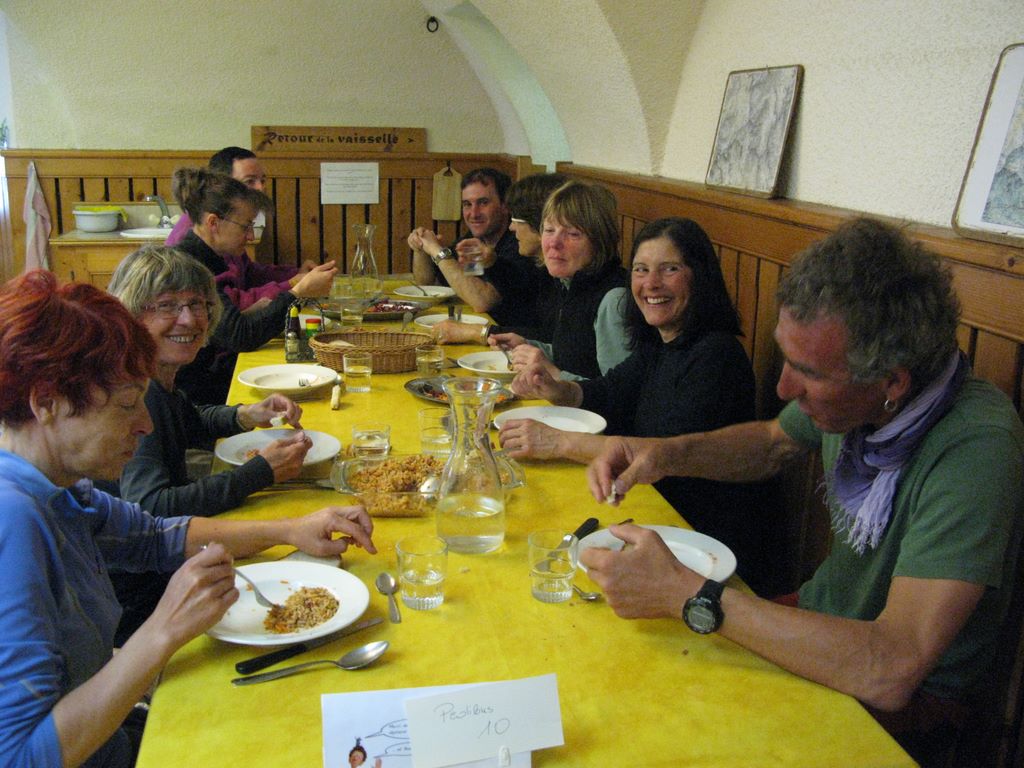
{"x":429,"y":321}
{"x":703,"y":554}
{"x":419,"y":291}
{"x":316,"y":600}
{"x":431,"y":389}
{"x":487,"y":363}
{"x":238,"y":449}
{"x":382,"y":309}
{"x":289,"y":379}
{"x":557,"y":416}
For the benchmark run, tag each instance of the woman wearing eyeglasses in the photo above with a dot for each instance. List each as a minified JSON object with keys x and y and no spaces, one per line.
{"x":687,"y":372}
{"x":223,"y":210}
{"x":174,"y":297}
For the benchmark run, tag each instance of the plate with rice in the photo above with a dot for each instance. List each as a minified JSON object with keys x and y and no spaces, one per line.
{"x":317,"y":600}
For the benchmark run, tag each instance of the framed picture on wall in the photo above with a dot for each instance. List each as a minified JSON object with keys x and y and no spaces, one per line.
{"x":753,"y":129}
{"x":991,"y":202}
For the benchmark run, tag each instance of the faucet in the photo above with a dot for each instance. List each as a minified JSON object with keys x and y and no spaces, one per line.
{"x":165,"y":214}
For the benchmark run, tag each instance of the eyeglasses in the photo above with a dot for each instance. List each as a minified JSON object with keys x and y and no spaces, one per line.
{"x":170,"y":310}
{"x":250,"y":227}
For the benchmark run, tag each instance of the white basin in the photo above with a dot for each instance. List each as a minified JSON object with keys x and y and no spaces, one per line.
{"x":146,"y":233}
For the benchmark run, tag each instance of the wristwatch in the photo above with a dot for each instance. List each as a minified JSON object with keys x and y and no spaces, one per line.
{"x":443,"y":255}
{"x":703,"y":612}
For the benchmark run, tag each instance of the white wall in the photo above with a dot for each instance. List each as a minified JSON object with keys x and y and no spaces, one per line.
{"x":892,"y":94}
{"x":196,"y":74}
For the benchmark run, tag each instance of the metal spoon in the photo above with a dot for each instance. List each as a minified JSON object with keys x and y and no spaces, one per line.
{"x":430,"y":485}
{"x":588,"y":596}
{"x":387,"y":585}
{"x":358,"y":658}
{"x":260,"y":597}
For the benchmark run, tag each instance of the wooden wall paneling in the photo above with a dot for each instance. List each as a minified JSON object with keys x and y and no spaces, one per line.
{"x":998,"y":360}
{"x":118,"y":189}
{"x":630,"y":226}
{"x":746,"y":298}
{"x":378,"y":216}
{"x":766,"y":358}
{"x":142,"y":186}
{"x":965,"y":336}
{"x":447,"y":231}
{"x":401,"y":218}
{"x":164,"y":187}
{"x":16,"y":198}
{"x":93,"y":190}
{"x":69,"y":191}
{"x":991,"y":300}
{"x":729,"y":261}
{"x":309,"y":244}
{"x":332,"y":240}
{"x":285,"y":223}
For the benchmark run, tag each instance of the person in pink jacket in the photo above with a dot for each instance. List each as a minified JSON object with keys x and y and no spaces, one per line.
{"x":245,"y":282}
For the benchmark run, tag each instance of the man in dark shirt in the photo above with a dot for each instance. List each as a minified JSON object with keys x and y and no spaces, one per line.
{"x":508,"y":287}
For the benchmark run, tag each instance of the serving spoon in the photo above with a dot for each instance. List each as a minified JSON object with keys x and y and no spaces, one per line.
{"x":357,"y":658}
{"x":387,"y":585}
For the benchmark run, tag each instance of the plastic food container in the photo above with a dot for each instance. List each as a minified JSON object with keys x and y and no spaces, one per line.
{"x":96,"y":221}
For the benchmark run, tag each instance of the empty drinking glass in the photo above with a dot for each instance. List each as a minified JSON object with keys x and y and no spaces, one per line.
{"x":422,"y":566}
{"x":357,"y":367}
{"x":554,"y":556}
{"x":371,"y":440}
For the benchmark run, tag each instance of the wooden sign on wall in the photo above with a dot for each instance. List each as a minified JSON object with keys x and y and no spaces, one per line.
{"x":337,"y":139}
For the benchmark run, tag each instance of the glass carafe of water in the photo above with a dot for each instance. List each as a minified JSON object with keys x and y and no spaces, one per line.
{"x":471,"y":504}
{"x":362,"y":283}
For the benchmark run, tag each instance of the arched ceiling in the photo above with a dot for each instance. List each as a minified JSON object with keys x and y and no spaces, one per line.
{"x":556,"y":105}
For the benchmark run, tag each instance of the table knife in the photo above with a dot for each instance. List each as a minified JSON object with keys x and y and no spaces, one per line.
{"x":589,"y":526}
{"x":267,"y":659}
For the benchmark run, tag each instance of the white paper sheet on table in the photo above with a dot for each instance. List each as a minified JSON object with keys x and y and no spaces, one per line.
{"x":378,"y":720}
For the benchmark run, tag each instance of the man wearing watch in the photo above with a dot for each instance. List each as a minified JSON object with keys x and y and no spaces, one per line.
{"x":924,"y":477}
{"x":507,"y":289}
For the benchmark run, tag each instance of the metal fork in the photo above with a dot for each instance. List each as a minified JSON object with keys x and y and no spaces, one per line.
{"x":260,"y":597}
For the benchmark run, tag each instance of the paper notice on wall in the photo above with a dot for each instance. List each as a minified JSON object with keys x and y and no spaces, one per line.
{"x":349,"y":183}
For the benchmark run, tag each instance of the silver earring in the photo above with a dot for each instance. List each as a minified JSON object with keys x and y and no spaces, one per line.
{"x":890,"y":406}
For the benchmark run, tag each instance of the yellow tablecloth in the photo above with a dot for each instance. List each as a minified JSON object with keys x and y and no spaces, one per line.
{"x":638,"y":693}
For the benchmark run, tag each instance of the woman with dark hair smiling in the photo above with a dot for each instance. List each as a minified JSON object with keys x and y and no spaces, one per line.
{"x":687,"y":373}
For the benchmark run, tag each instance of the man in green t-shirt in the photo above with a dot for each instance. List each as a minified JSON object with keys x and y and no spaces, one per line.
{"x":924,"y":469}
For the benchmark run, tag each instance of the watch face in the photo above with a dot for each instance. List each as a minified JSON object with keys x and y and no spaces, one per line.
{"x":701,"y":615}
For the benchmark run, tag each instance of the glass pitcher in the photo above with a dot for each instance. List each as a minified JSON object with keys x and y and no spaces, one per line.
{"x":471,"y":504}
{"x":357,"y":288}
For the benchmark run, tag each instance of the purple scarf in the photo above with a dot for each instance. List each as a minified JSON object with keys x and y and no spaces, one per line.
{"x":863,"y":483}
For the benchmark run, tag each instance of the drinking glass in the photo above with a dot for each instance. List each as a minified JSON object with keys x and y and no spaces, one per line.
{"x":371,"y":440}
{"x":357,"y":367}
{"x":554,"y":556}
{"x":435,"y":431}
{"x":473,"y":257}
{"x":422,"y":566}
{"x":429,"y":359}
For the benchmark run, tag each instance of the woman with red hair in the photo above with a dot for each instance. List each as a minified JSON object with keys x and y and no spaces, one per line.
{"x":74,"y":366}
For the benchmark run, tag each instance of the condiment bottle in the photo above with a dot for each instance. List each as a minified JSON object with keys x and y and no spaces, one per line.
{"x":312,"y":327}
{"x":292,"y":347}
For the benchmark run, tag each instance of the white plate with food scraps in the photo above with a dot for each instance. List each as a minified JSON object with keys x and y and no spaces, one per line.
{"x":238,"y":449}
{"x":433,"y":291}
{"x":290,"y":379}
{"x":557,"y":416}
{"x":429,"y":321}
{"x":243,"y":622}
{"x":703,"y":554}
{"x":493,"y":364}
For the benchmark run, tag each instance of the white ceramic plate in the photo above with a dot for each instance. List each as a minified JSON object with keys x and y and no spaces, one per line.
{"x":557,"y":416}
{"x":235,"y":449}
{"x":429,"y":321}
{"x":434,"y":291}
{"x":243,"y":622}
{"x":286,"y":379}
{"x":703,"y":554}
{"x":493,"y":364}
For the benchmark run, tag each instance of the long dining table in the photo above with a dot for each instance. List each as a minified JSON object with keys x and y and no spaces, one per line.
{"x":641,"y":693}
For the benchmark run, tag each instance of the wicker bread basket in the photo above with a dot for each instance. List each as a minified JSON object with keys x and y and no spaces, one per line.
{"x":393,"y":352}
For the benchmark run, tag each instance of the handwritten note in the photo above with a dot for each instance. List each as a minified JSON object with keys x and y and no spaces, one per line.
{"x":374,"y":723}
{"x":349,"y":183}
{"x":484,"y":720}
